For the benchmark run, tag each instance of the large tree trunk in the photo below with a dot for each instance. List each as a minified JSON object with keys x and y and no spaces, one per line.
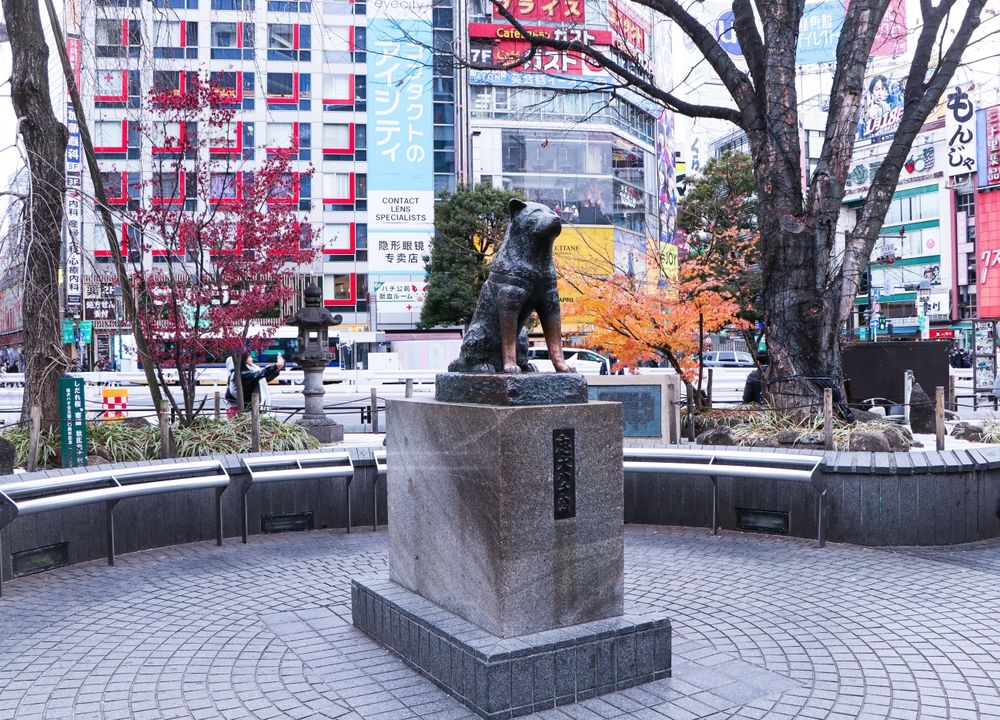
{"x":45,"y":142}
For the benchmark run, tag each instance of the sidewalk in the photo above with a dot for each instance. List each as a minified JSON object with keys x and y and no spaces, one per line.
{"x":764,"y":627}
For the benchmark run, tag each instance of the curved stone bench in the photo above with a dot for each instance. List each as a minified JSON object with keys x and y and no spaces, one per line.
{"x":918,"y":498}
{"x":873,"y":499}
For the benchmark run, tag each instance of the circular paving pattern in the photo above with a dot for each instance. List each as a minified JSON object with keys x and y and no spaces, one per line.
{"x":764,"y":627}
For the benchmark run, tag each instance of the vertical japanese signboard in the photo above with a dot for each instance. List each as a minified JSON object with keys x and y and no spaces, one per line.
{"x":960,"y":129}
{"x":989,"y":151}
{"x":400,"y":143}
{"x":73,"y":422}
{"x":73,"y":224}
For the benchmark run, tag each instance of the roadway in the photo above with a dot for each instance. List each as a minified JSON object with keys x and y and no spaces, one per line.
{"x":348,"y":391}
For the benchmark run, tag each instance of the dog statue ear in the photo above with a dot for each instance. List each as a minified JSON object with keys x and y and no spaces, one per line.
{"x":515,"y":206}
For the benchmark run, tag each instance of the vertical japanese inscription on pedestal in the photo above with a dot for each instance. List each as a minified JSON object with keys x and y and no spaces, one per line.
{"x":564,"y":474}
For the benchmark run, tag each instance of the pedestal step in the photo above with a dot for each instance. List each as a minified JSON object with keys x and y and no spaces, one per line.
{"x":505,"y":678}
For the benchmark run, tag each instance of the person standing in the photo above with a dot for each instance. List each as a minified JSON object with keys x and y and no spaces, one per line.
{"x":250,"y":378}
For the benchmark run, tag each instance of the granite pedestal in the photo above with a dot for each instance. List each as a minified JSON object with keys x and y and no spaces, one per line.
{"x":506,"y":543}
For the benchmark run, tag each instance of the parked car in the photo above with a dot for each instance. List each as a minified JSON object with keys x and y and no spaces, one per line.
{"x":585,"y":362}
{"x":727,"y":358}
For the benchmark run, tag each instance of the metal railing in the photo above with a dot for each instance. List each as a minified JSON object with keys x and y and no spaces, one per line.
{"x":732,"y":463}
{"x":28,"y":497}
{"x":278,"y":468}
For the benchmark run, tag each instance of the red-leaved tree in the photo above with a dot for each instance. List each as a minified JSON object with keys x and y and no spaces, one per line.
{"x":216,"y":240}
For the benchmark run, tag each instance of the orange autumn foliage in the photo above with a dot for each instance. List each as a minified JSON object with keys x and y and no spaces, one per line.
{"x":635,"y":323}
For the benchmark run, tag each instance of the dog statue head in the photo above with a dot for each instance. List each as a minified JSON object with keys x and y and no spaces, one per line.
{"x":534,"y":220}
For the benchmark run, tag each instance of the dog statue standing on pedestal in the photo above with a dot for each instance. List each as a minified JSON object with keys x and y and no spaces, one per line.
{"x":522,"y":279}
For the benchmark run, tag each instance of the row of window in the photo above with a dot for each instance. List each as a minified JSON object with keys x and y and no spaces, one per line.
{"x":116,"y":37}
{"x":233,"y":137}
{"x":528,"y":103}
{"x":326,"y":7}
{"x":178,"y":185}
{"x":122,"y":88}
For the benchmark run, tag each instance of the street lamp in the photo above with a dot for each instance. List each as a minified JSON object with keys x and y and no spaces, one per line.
{"x":924,"y":298}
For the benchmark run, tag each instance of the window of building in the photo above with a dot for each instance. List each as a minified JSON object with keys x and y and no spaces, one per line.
{"x":109,"y":134}
{"x":285,"y":188}
{"x":342,"y":288}
{"x":224,"y":186}
{"x":337,"y":238}
{"x":337,"y":137}
{"x":224,"y":34}
{"x":281,"y":41}
{"x":966,"y":202}
{"x":166,"y":186}
{"x":166,"y":136}
{"x":108,"y":32}
{"x":167,"y":33}
{"x":281,"y":85}
{"x":337,"y":45}
{"x":337,"y":187}
{"x":224,"y":136}
{"x":361,"y":186}
{"x":337,"y":88}
{"x":280,"y":135}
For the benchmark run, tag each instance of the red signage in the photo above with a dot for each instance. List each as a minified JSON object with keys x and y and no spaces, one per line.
{"x":545,"y":60}
{"x":987,"y":256}
{"x":630,"y":34}
{"x":942,"y":334}
{"x":545,"y":10}
{"x":993,"y":145}
{"x":494,"y":31}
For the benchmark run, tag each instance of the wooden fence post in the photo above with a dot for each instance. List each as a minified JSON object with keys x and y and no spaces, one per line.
{"x":939,"y":417}
{"x":709,"y":389}
{"x":218,"y":406}
{"x":165,"y":448}
{"x":374,"y":410}
{"x":952,"y":400}
{"x":409,"y":387}
{"x":255,"y":422}
{"x":828,"y":418}
{"x":34,"y":437}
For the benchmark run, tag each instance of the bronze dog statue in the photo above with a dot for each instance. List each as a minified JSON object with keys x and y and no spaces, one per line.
{"x":522,"y":279}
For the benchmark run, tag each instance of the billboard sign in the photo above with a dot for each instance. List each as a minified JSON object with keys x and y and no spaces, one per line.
{"x":562,"y":11}
{"x":819,"y":32}
{"x":666,"y":177}
{"x":881,"y":106}
{"x":988,"y":126}
{"x":400,"y":141}
{"x":960,"y":130}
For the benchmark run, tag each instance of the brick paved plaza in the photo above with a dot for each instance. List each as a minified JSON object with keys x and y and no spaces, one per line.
{"x":764,"y":627}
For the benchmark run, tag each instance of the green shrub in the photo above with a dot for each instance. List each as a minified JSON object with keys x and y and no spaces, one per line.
{"x":129,"y":442}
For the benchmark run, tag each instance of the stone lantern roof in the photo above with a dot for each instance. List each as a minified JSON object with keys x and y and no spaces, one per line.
{"x":313,"y":312}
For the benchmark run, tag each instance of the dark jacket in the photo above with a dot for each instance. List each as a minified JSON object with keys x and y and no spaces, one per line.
{"x":250,"y":379}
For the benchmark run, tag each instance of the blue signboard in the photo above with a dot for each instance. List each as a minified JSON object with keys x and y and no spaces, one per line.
{"x":819,"y":32}
{"x":400,"y":141}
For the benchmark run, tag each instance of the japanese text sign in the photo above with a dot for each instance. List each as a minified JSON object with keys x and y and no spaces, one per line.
{"x":73,"y":422}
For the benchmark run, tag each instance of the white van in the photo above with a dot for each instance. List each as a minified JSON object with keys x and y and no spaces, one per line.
{"x":724,"y":358}
{"x":585,"y":362}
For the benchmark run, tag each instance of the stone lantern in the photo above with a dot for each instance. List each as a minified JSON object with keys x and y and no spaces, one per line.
{"x":313,"y":322}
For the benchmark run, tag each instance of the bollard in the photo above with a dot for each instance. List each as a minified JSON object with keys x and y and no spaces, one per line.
{"x":33,"y":437}
{"x":409,"y":387}
{"x":828,"y":418}
{"x":690,"y":408}
{"x":218,"y":406}
{"x":374,"y":411}
{"x":165,"y":430}
{"x":939,"y":417}
{"x":255,"y":422}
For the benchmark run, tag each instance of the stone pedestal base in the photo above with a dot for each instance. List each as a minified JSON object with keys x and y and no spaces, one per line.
{"x":326,"y":431}
{"x":510,"y":517}
{"x":499,"y":679}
